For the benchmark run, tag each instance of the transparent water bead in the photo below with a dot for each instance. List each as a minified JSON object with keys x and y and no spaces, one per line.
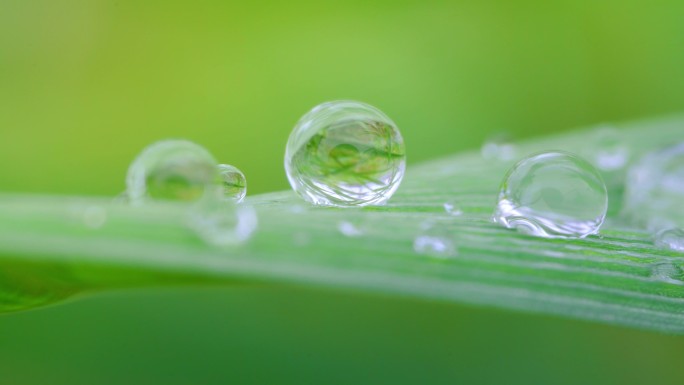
{"x":222,"y":223}
{"x":172,"y":169}
{"x":349,"y":229}
{"x":553,"y":195}
{"x":654,"y":190}
{"x":610,"y":152}
{"x":667,"y":271}
{"x":453,"y":208}
{"x":672,"y":239}
{"x":435,"y":246}
{"x":234,"y":182}
{"x":499,"y":147}
{"x":345,"y":153}
{"x":434,"y":239}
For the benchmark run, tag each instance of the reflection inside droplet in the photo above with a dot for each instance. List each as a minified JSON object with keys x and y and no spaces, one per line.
{"x":345,"y":153}
{"x":172,"y":170}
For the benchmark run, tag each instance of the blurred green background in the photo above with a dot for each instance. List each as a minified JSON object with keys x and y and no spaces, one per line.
{"x":85,"y":85}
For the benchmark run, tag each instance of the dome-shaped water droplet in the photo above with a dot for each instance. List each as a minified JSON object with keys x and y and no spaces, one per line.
{"x":654,"y":190}
{"x":553,"y":194}
{"x":345,"y":153}
{"x":172,"y":170}
{"x":453,"y":208}
{"x":234,"y":183}
{"x":499,"y":147}
{"x":672,"y":239}
{"x":610,"y":152}
{"x":222,"y":223}
{"x":349,"y":229}
{"x":434,"y":240}
{"x":666,"y":271}
{"x":434,"y":246}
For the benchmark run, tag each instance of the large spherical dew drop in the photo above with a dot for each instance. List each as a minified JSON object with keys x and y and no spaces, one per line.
{"x":345,"y":153}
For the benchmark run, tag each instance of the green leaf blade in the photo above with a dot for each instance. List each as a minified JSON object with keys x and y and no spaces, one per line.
{"x":613,"y":279}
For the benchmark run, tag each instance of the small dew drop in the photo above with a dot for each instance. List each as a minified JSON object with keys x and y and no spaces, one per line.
{"x":344,"y":154}
{"x":172,"y":170}
{"x":223,"y":223}
{"x":434,"y":246}
{"x":671,"y":239}
{"x":499,"y":147}
{"x":667,"y":272}
{"x":553,"y":195}
{"x":453,"y":208}
{"x":611,"y":152}
{"x":233,"y":182}
{"x":349,"y":229}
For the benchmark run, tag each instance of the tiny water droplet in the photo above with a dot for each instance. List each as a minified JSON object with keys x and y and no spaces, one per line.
{"x":654,"y":190}
{"x":453,"y":208}
{"x":349,"y":229}
{"x":435,"y":246}
{"x":499,"y":147}
{"x":553,"y":195}
{"x":234,"y":182}
{"x":610,"y":151}
{"x":345,"y":153}
{"x":222,"y":223}
{"x":172,"y":169}
{"x":94,"y":217}
{"x":672,"y":239}
{"x":667,"y":272}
